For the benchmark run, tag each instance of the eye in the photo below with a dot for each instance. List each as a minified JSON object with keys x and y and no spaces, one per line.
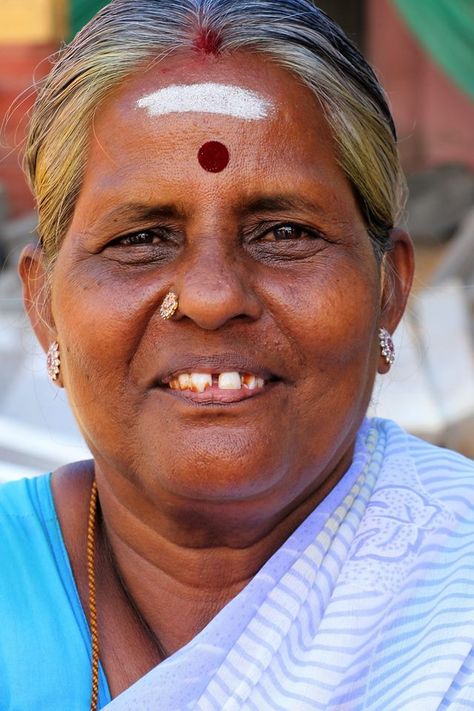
{"x":139,"y":238}
{"x":146,"y":246}
{"x":289,"y":231}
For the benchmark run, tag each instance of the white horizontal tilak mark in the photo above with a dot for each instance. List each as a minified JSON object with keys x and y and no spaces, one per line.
{"x":208,"y":98}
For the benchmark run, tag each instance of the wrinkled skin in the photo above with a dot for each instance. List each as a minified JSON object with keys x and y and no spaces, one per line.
{"x":188,"y":490}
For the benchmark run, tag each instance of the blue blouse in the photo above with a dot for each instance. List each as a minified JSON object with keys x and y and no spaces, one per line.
{"x":45,"y":644}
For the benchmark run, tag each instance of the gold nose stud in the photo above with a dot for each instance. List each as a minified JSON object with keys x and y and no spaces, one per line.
{"x":169,"y":305}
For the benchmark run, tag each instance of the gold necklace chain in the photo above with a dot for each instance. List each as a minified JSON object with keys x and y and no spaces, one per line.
{"x":91,"y":585}
{"x":92,"y":596}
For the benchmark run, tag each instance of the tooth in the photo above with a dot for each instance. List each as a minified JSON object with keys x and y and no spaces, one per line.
{"x":249,"y":381}
{"x":184,"y":381}
{"x":229,"y":381}
{"x":200,"y":382}
{"x":260,"y":383}
{"x":174,"y":385}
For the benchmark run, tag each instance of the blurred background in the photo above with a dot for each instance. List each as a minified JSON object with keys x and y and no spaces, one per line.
{"x":423,"y":52}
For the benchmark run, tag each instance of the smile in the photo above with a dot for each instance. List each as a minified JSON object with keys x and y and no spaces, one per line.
{"x":218,"y":378}
{"x":217,"y":388}
{"x":231,"y":380}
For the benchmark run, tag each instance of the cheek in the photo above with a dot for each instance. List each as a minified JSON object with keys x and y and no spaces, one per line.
{"x":100,"y":321}
{"x":100,"y":328}
{"x":329,"y":312}
{"x":334,"y":329}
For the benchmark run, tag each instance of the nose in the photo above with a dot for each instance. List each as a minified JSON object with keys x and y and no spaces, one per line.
{"x":214,"y":288}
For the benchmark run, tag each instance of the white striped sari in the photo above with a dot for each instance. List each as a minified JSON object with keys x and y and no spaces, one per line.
{"x":369,"y":605}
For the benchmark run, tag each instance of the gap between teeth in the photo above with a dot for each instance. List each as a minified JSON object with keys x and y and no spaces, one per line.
{"x":199,"y":382}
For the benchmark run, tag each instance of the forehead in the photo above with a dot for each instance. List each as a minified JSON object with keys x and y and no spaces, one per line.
{"x":149,"y":132}
{"x":244,"y":70}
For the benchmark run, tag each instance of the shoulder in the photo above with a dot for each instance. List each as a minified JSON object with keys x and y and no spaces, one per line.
{"x":442,"y":473}
{"x":427,"y":456}
{"x":25,"y":504}
{"x":22,"y":497}
{"x":43,"y":634}
{"x":26,"y":518}
{"x":34,"y":563}
{"x":43,"y":525}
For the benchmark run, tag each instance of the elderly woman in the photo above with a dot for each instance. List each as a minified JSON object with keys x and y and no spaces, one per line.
{"x":218,"y":276}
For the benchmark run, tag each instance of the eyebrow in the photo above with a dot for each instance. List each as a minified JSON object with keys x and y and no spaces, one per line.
{"x":270,"y":204}
{"x":279,"y":203}
{"x":140,"y":211}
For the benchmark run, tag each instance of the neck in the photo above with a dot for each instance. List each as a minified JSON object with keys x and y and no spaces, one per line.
{"x":199,"y":550}
{"x":164,"y":570}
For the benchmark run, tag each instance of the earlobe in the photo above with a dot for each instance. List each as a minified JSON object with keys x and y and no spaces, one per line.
{"x":397,"y":277}
{"x":36,"y":296}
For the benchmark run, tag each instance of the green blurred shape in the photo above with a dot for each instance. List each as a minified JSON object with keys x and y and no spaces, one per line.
{"x":445,"y":28}
{"x":81,"y":11}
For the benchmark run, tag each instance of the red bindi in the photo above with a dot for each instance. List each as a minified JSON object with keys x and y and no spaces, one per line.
{"x":213,"y":156}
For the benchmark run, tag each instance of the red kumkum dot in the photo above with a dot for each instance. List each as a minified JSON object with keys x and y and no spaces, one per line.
{"x":213,"y":156}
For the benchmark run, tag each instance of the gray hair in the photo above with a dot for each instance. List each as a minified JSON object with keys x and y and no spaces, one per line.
{"x":296,"y":35}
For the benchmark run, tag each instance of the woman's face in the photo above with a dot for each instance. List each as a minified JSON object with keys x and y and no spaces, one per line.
{"x":276,"y":279}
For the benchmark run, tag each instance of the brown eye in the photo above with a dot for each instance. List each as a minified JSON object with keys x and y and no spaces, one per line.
{"x":145,"y":237}
{"x":288,"y":232}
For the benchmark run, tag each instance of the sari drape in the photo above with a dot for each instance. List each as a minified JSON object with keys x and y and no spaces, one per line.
{"x":368,"y":605}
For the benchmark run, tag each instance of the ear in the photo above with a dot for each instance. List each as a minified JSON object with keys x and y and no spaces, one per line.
{"x":397,"y":276}
{"x":36,"y":294}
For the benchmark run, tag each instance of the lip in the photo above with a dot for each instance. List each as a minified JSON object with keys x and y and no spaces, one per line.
{"x":215,"y":396}
{"x":213,"y":365}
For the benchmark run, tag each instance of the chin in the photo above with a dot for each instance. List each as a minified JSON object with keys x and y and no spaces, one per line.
{"x":222,"y":469}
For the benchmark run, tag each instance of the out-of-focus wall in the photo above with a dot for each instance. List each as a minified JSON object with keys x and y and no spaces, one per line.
{"x":31,"y":21}
{"x":30,"y":30}
{"x":434,"y":118}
